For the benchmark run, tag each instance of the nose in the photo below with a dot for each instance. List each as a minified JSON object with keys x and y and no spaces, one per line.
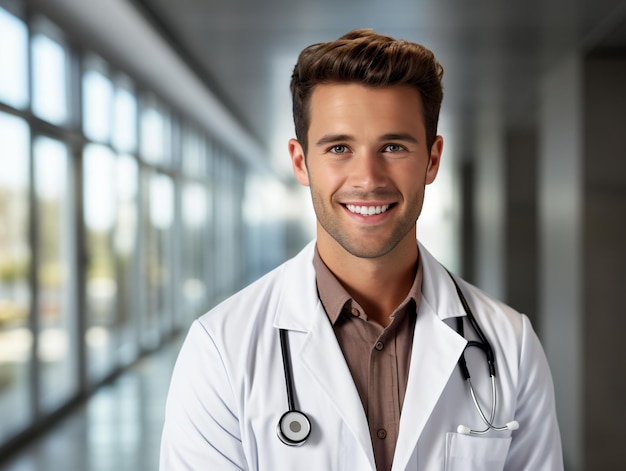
{"x":368,"y":171}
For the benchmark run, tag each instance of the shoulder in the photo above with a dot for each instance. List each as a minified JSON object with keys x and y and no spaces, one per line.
{"x":501,"y":323}
{"x":252,"y":299}
{"x":253,"y":309}
{"x":490,"y":310}
{"x":438,"y":288}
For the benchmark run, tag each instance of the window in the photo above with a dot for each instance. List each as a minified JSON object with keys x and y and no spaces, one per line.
{"x":149,"y":262}
{"x":16,"y":339}
{"x":194,"y":154}
{"x":156,"y":134}
{"x":57,"y":326}
{"x":196,"y":208}
{"x":125,"y":120}
{"x":126,"y":240}
{"x":228,"y":212}
{"x":50,"y":81}
{"x":157,"y":239}
{"x":13,"y":60}
{"x":97,"y":105}
{"x":99,"y":180}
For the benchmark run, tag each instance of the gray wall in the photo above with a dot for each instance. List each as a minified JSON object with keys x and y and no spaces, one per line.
{"x":604,"y":248}
{"x":547,"y":234}
{"x":560,"y":246}
{"x":582,"y":209}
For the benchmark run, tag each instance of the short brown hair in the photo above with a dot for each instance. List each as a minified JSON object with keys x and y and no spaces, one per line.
{"x":365,"y":57}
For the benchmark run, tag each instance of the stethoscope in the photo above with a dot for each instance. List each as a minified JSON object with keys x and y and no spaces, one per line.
{"x":294,"y":427}
{"x":484,"y":345}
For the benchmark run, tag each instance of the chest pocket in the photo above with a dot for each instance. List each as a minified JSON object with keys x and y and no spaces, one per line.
{"x":471,"y":453}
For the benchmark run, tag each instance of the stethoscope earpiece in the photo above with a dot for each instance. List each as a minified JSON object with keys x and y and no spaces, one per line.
{"x":293,"y":428}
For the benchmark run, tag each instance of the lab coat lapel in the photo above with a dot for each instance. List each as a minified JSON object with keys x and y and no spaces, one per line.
{"x":436,"y":350}
{"x":322,"y":357}
{"x":315,"y":346}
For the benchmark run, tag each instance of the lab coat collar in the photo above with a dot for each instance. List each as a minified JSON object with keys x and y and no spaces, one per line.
{"x":300,"y":290}
{"x":299,"y":293}
{"x":437,"y":287}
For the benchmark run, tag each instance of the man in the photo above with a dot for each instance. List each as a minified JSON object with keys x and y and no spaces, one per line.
{"x":363,"y":330}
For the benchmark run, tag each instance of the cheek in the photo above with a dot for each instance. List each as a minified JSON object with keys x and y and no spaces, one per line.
{"x":324,"y":180}
{"x":411,"y":179}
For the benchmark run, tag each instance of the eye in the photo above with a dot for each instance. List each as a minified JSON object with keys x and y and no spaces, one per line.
{"x":393,"y":148}
{"x":339,"y":149}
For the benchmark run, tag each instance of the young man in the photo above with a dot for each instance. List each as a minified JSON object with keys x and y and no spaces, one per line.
{"x":364,"y":331}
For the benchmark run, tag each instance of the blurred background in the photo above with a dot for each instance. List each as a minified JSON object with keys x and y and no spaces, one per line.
{"x":145,"y":176}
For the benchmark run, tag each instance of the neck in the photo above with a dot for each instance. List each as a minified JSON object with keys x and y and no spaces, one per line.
{"x":379,"y":284}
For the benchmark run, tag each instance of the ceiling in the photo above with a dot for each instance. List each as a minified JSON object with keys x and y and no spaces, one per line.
{"x":493,"y":52}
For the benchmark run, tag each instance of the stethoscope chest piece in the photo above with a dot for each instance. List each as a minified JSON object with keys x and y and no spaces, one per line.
{"x":293,"y":428}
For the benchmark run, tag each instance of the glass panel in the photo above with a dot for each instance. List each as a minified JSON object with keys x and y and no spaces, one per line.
{"x":97,"y":103}
{"x":126,"y":250}
{"x":194,"y":154}
{"x":49,"y":80}
{"x":195,"y":210}
{"x":226,"y":212}
{"x":100,"y":213}
{"x":13,"y":60}
{"x":16,"y":338}
{"x":162,"y":219}
{"x":157,"y":245}
{"x":57,"y":316}
{"x":155,"y":135}
{"x":125,"y":121}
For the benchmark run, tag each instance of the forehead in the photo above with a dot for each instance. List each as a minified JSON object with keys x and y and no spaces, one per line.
{"x":352,"y":104}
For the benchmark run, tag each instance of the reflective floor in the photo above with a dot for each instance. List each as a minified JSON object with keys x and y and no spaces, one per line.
{"x":117,"y":429}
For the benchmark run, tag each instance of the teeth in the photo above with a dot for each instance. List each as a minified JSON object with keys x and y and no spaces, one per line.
{"x":367,"y":210}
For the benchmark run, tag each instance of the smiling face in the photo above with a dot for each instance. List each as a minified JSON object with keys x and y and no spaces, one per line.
{"x":367,"y":164}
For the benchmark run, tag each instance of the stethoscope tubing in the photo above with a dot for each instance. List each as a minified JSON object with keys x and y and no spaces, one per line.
{"x":485,"y":346}
{"x":293,"y":417}
{"x":284,"y":348}
{"x":294,"y":426}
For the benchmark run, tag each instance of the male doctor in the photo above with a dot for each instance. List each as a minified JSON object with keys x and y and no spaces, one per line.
{"x":369,"y":319}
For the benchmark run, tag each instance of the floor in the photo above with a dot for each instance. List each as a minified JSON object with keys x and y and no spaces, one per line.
{"x":117,"y":429}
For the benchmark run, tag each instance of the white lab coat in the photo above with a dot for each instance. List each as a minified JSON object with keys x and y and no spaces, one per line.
{"x":228,"y":387}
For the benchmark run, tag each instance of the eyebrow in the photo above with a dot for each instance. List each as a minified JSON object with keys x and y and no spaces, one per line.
{"x":330,"y":138}
{"x":399,"y":137}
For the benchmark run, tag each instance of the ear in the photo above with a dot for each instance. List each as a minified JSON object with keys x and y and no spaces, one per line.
{"x":298,"y":162}
{"x":434,"y":160}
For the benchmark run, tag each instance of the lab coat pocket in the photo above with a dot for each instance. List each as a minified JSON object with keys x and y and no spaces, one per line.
{"x":472,"y":453}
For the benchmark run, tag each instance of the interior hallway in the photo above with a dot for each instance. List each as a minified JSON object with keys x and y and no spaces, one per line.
{"x":117,"y":429}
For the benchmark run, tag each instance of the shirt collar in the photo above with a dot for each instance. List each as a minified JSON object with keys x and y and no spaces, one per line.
{"x":335,"y":298}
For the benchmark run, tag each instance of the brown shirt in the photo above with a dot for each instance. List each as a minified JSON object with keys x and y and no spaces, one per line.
{"x":377,"y":357}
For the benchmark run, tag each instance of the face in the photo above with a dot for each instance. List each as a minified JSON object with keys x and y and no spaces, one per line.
{"x":367,"y":165}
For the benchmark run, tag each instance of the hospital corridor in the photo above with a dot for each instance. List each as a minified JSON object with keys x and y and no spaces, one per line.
{"x":146,"y":177}
{"x":118,"y":428}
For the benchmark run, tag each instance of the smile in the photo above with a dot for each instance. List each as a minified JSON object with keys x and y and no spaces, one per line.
{"x":367,"y":210}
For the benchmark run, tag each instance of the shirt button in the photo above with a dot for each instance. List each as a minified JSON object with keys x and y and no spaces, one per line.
{"x":381,"y":433}
{"x":355,"y":312}
{"x":379,"y":346}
